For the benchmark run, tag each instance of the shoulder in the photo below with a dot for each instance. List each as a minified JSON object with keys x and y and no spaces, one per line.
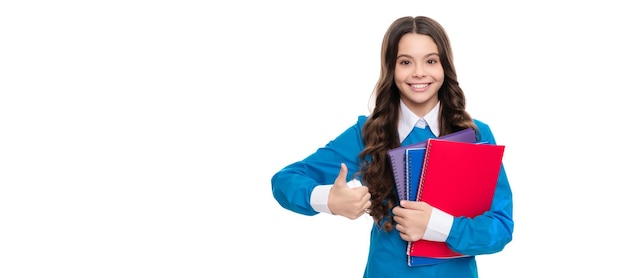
{"x":356,"y":128}
{"x":360,"y":122}
{"x":481,"y":125}
{"x":484,"y":132}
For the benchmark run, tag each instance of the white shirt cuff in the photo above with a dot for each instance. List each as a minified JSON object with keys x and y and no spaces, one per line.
{"x":439,"y":226}
{"x":319,"y":196}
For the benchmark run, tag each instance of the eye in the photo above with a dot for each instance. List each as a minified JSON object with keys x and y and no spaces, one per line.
{"x":432,"y":61}
{"x":404,"y":62}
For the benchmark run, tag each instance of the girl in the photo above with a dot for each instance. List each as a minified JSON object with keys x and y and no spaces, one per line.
{"x":417,"y":97}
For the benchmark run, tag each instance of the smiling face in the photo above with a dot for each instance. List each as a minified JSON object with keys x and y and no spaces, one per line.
{"x":418,"y":72}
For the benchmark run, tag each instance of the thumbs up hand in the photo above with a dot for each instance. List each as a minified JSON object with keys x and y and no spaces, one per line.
{"x":350,"y":201}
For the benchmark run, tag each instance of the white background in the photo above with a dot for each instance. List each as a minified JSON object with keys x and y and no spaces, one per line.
{"x":138,"y":138}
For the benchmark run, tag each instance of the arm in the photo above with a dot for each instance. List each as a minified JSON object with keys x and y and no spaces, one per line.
{"x":293,"y":185}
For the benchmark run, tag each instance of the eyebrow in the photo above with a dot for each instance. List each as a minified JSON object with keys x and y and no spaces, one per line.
{"x":409,"y":56}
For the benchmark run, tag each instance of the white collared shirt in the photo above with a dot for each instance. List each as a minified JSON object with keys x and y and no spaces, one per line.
{"x":408,"y":120}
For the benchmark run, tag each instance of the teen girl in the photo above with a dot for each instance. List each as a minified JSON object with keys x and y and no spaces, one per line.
{"x":417,"y":97}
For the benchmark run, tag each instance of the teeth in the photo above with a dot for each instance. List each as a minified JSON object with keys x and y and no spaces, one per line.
{"x":419,"y":86}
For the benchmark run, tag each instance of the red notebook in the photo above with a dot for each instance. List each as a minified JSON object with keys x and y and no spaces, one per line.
{"x":458,"y":178}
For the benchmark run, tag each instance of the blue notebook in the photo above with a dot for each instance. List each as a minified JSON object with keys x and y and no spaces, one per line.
{"x":417,"y":261}
{"x":414,"y":160}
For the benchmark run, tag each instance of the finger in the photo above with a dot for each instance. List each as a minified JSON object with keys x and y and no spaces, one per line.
{"x":400,"y":228}
{"x":343,"y":174}
{"x":409,"y":204}
{"x":399,"y":211}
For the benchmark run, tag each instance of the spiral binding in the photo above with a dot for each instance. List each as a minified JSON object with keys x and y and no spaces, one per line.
{"x":395,"y":173}
{"x":425,"y":165}
{"x":407,"y":176}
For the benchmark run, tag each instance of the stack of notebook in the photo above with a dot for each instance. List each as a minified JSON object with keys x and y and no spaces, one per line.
{"x":453,"y":173}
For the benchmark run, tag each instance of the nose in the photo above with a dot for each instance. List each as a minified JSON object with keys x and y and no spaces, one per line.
{"x":419,"y":71}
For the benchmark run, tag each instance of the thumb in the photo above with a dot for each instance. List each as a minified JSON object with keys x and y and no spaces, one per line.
{"x":343,"y":174}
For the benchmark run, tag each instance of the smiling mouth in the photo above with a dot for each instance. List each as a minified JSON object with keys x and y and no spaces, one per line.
{"x":419,"y":86}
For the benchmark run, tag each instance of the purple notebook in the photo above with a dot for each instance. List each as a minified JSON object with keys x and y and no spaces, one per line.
{"x":398,"y":163}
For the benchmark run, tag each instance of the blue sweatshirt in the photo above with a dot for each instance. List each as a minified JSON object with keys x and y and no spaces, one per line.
{"x":485,"y":234}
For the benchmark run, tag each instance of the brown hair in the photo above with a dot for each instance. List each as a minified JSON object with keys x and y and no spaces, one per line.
{"x":380,"y":131}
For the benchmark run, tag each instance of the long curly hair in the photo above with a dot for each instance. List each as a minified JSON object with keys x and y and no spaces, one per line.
{"x":380,"y":131}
